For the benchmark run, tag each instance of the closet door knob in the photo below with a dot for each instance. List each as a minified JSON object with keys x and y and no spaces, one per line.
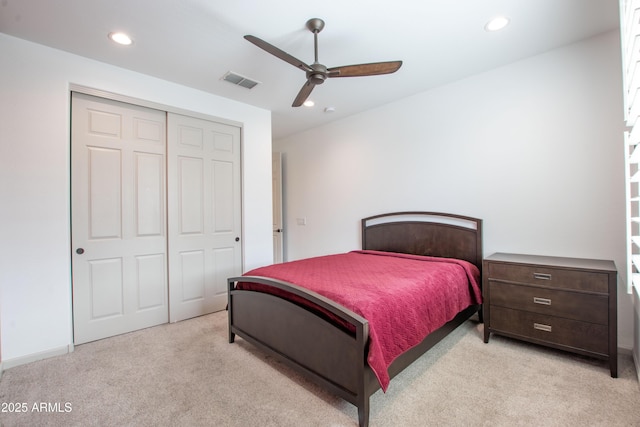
{"x":79,"y":251}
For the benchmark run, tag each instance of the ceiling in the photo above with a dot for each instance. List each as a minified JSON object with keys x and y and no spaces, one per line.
{"x":195,"y":42}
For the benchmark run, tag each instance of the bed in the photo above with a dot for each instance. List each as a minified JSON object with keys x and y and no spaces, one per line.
{"x":332,"y":344}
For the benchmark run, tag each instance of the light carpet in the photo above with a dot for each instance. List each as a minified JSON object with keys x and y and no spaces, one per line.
{"x":187,"y":374}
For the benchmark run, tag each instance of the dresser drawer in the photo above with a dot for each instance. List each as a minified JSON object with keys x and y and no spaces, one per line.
{"x":551,"y":277}
{"x":565,"y":332}
{"x":571,"y":305}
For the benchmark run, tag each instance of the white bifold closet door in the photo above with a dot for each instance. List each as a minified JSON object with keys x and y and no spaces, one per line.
{"x":118,"y":217}
{"x":204,"y":211}
{"x":155,"y":216}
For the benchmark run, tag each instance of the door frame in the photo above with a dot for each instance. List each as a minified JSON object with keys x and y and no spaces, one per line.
{"x":150,"y":104}
{"x":73,"y":87}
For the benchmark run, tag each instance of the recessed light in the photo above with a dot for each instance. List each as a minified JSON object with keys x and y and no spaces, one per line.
{"x":120,"y":38}
{"x":309,"y":103}
{"x":497,"y":23}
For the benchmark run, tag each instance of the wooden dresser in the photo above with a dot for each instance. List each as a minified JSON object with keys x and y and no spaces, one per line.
{"x":565,"y":303}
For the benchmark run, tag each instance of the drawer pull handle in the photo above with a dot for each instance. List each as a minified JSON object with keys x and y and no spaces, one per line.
{"x":543,"y":301}
{"x":542,"y":276}
{"x":542,"y":327}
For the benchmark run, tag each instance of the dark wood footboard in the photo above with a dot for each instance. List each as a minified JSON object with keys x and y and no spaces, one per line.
{"x":329,"y":355}
{"x":316,"y":347}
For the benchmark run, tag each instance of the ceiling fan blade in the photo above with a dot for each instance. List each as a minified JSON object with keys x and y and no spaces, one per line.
{"x":303,"y":94}
{"x":277,"y":52}
{"x":365,"y":69}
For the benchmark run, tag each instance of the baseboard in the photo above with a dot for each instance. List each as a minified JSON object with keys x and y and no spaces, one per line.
{"x":23,"y":360}
{"x":627,"y":351}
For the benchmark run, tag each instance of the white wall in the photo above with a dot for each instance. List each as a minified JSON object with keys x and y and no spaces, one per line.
{"x":534,"y":148}
{"x":35,"y":275}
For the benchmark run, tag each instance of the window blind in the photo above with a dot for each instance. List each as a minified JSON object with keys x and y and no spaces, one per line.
{"x":630,"y":42}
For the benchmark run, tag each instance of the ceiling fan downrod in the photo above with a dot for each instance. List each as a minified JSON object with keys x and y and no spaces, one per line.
{"x":318,"y":73}
{"x":315,"y":25}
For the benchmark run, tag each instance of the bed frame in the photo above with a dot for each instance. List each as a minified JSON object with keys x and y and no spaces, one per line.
{"x":327,"y":354}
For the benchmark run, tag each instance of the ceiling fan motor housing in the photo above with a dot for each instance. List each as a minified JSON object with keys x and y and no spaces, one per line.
{"x":318,"y":74}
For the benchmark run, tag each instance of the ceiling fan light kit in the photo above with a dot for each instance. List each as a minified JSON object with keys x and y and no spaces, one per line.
{"x":317,"y":73}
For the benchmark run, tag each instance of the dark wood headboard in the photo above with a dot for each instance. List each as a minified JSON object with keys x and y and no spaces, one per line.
{"x":425,"y":233}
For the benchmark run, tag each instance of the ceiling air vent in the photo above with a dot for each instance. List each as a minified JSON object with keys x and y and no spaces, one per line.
{"x":239,"y":80}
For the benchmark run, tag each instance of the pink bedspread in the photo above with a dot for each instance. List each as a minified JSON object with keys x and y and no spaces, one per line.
{"x":403,"y":297}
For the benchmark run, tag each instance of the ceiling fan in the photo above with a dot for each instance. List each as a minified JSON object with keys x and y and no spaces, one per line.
{"x":318,"y":73}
